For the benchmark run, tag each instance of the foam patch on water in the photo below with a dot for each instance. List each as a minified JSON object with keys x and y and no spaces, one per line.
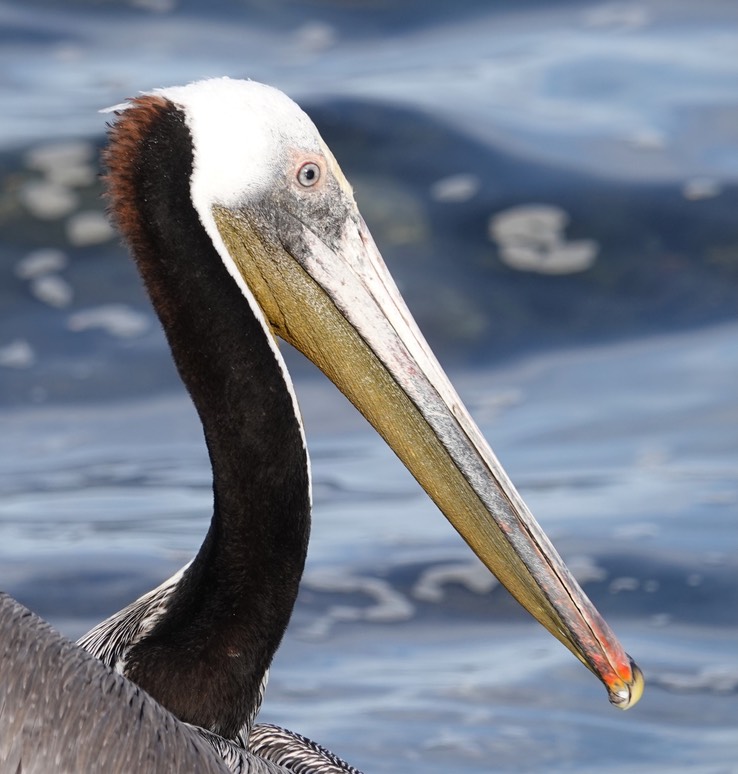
{"x":48,"y":201}
{"x":52,"y":290}
{"x":472,"y":575}
{"x":701,"y":188}
{"x":531,"y":238}
{"x":455,"y":188}
{"x":63,"y":166}
{"x":387,"y":605}
{"x":118,"y":320}
{"x":40,"y":262}
{"x":720,"y":679}
{"x":89,"y":228}
{"x":618,"y":585}
{"x":17,"y":354}
{"x":60,"y":155}
{"x":585,"y":569}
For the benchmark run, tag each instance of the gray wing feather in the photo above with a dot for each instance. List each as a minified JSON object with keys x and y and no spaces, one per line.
{"x":282,"y":751}
{"x":61,"y":710}
{"x":296,"y":753}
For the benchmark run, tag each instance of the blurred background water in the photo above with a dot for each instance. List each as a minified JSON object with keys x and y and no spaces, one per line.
{"x":554,"y":186}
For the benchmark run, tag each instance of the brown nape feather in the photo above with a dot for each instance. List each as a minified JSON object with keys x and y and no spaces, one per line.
{"x":137,"y":131}
{"x":121,"y":159}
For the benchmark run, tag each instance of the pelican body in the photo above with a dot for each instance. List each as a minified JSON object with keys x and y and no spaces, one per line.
{"x":244,"y":229}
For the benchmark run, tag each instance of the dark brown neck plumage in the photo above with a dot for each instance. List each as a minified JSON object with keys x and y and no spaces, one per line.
{"x":206,"y":658}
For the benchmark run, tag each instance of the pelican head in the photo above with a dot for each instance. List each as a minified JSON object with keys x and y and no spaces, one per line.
{"x":282,"y":217}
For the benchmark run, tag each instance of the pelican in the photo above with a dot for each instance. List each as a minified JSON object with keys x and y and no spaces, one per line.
{"x":245,"y":230}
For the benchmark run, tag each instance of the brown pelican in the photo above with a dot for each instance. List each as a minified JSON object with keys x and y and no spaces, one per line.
{"x":244,"y":229}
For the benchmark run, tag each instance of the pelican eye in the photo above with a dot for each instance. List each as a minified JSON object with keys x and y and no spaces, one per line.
{"x":308,"y":174}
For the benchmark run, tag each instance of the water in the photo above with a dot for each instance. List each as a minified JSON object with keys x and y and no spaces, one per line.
{"x":601,"y":362}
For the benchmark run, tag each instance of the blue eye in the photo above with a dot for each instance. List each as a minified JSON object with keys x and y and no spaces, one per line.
{"x":308,"y":174}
